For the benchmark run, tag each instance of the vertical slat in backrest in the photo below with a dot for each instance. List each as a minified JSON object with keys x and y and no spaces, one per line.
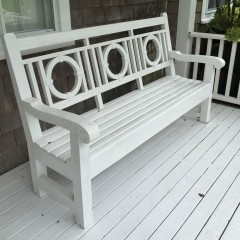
{"x":90,"y":62}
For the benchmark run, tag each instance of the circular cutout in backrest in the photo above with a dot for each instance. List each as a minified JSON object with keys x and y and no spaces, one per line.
{"x":157,"y":45}
{"x":77,"y":72}
{"x":124,"y":57}
{"x":63,"y":77}
{"x":115,"y":62}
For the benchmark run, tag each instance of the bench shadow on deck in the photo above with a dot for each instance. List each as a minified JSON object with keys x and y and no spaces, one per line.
{"x":182,"y":184}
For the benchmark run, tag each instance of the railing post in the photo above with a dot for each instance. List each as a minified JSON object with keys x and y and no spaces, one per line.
{"x":186,"y":22}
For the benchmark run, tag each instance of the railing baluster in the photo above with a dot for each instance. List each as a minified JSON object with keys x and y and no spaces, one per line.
{"x":197,"y":51}
{"x":216,"y":95}
{"x":209,"y":47}
{"x":220,"y":54}
{"x":230,"y":70}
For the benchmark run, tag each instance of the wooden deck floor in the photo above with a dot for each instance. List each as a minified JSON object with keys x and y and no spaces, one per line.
{"x":183,"y":184}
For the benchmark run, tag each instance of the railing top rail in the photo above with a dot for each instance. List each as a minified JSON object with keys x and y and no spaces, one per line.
{"x":207,"y":35}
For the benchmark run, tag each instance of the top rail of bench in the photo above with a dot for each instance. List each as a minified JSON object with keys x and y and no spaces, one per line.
{"x":35,"y":42}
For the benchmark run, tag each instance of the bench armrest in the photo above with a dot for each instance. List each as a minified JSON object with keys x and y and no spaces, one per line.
{"x":217,"y":62}
{"x":86,"y":129}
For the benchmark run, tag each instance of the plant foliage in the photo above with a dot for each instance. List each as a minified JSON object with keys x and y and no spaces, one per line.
{"x":226,"y":20}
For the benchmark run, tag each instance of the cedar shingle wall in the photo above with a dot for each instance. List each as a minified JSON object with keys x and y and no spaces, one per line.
{"x":13,"y":149}
{"x":198,"y":16}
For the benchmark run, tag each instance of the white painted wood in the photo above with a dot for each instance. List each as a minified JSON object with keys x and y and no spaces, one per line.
{"x":55,"y":189}
{"x":121,"y":198}
{"x":154,"y":194}
{"x":33,"y":81}
{"x":207,"y":35}
{"x":86,"y":129}
{"x":186,"y":16}
{"x":44,"y":82}
{"x":82,"y":188}
{"x":122,"y":179}
{"x":101,"y":62}
{"x":197,"y":51}
{"x":26,"y":212}
{"x":226,"y":96}
{"x":230,"y":70}
{"x":209,"y":47}
{"x":232,"y":231}
{"x":209,"y":74}
{"x":81,"y":147}
{"x":56,"y":38}
{"x":38,"y":225}
{"x":209,"y":203}
{"x":222,"y":215}
{"x":226,"y":99}
{"x":168,"y":46}
{"x":127,"y":188}
{"x":218,"y":71}
{"x":205,"y":110}
{"x":199,"y":180}
{"x":13,"y":171}
{"x":134,"y":54}
{"x":58,"y":229}
{"x":214,"y":61}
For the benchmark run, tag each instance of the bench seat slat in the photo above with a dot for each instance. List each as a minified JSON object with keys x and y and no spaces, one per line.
{"x":125,"y":99}
{"x":56,"y":132}
{"x":119,"y":119}
{"x":139,"y":104}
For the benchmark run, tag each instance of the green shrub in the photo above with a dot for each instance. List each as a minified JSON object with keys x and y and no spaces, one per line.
{"x":233,"y":34}
{"x":226,"y":21}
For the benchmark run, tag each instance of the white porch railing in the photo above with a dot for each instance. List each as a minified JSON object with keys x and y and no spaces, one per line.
{"x":224,"y":89}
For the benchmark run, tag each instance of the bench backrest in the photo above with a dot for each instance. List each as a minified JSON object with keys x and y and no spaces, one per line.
{"x":89,"y":63}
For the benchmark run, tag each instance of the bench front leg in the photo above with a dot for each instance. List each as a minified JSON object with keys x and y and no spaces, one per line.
{"x":81,"y":177}
{"x":209,"y":75}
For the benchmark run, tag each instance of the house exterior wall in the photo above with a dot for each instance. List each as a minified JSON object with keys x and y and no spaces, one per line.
{"x":13,"y":149}
{"x":198,"y":16}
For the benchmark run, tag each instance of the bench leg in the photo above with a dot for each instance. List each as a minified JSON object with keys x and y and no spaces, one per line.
{"x":82,"y":187}
{"x":37,"y":170}
{"x":205,"y":110}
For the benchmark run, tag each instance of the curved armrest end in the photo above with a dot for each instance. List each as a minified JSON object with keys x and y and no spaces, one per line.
{"x":86,"y":129}
{"x":217,"y":62}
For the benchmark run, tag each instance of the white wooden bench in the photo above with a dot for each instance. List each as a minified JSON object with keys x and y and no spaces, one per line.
{"x":81,"y":147}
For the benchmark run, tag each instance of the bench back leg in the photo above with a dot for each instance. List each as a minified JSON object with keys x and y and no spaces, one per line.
{"x":205,"y":110}
{"x":82,"y":187}
{"x":37,"y":170}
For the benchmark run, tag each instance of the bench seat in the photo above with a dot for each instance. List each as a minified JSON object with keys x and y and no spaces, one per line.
{"x":124,"y":116}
